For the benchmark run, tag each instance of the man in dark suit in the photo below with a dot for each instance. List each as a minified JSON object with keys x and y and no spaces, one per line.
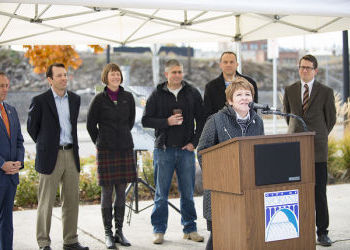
{"x":11,"y":161}
{"x":314,"y":102}
{"x":52,"y":124}
{"x":214,"y":93}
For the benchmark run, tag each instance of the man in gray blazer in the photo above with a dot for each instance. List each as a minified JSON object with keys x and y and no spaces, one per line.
{"x":314,"y":102}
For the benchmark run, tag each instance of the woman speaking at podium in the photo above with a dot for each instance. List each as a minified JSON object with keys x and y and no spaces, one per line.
{"x":234,"y":120}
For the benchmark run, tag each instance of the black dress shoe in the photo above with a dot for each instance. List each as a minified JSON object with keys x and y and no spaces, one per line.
{"x":75,"y":246}
{"x":324,"y":240}
{"x":45,"y":248}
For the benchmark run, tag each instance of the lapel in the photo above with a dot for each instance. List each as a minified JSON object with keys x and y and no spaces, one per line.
{"x":314,"y":91}
{"x":2,"y":124}
{"x":71,"y":107}
{"x":11,"y":118}
{"x":52,"y":105}
{"x":13,"y":125}
{"x":297,"y":92}
{"x":222,"y":85}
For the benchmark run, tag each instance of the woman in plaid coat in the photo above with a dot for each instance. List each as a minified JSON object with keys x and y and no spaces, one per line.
{"x":234,"y":120}
{"x":110,"y":119}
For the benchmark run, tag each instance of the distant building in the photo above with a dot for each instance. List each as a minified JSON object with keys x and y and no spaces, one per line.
{"x":255,"y":51}
{"x":178,"y":51}
{"x":288,"y":57}
{"x":138,"y":50}
{"x":164,"y":50}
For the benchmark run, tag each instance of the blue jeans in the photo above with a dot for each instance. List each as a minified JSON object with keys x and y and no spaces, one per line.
{"x":165,"y":162}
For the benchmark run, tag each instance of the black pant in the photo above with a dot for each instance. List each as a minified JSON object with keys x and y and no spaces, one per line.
{"x":322,"y":217}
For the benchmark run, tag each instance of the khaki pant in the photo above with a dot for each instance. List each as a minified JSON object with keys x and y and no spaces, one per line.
{"x":66,"y":176}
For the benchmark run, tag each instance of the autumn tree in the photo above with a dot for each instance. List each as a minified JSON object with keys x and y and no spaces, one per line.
{"x":41,"y":56}
{"x":97,"y":49}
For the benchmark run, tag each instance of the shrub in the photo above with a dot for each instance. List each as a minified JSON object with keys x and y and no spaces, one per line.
{"x":334,"y":161}
{"x":90,"y":191}
{"x":27,"y":189}
{"x":339,"y":157}
{"x":345,"y":149}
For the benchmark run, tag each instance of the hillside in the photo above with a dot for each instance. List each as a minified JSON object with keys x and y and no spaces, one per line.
{"x":23,"y":78}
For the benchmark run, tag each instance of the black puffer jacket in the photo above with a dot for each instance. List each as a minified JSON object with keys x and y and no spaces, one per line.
{"x":109,"y":124}
{"x":160,"y":106}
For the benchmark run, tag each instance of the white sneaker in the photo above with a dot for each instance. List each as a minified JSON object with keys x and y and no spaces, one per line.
{"x":158,"y":238}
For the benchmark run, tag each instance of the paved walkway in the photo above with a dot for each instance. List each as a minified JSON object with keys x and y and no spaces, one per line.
{"x":140,"y":230}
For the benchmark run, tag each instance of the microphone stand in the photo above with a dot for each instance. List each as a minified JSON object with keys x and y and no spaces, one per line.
{"x":277,"y":112}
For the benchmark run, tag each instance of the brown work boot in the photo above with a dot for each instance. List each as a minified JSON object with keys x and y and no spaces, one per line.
{"x":194,"y":236}
{"x":158,"y":238}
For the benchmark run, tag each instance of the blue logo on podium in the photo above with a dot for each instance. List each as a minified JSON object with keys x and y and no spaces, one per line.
{"x":281,"y":215}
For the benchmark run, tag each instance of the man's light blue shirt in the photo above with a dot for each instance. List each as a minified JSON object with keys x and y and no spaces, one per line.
{"x":62,"y":106}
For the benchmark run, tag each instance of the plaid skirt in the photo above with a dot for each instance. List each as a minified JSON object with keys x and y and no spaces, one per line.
{"x":115,"y":167}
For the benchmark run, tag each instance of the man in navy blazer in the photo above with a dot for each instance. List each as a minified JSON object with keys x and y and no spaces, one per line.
{"x":52,"y":124}
{"x":11,"y":161}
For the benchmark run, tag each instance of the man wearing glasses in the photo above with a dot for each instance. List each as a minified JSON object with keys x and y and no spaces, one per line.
{"x":314,"y":102}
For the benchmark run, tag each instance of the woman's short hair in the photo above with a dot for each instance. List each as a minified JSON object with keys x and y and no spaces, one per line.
{"x":238,"y":83}
{"x":110,"y":67}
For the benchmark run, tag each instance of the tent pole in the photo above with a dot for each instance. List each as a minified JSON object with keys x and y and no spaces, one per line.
{"x":274,"y":87}
{"x":238,"y":42}
{"x":108,"y":54}
{"x":345,"y":70}
{"x":239,"y":56}
{"x":189,"y":69}
{"x":155,"y":64}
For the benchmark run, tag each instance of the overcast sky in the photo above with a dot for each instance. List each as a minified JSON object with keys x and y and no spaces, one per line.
{"x":317,"y":41}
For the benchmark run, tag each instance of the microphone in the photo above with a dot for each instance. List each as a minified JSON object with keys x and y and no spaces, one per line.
{"x":253,"y":105}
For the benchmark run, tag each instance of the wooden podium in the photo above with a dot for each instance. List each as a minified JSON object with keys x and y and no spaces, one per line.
{"x":238,"y":204}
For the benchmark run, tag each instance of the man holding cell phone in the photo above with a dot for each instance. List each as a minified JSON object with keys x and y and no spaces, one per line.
{"x":175,"y":110}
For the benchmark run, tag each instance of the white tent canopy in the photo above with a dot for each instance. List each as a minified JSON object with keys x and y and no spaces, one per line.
{"x":163,"y":21}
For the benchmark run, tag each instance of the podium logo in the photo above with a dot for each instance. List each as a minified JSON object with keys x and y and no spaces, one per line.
{"x":281,"y":215}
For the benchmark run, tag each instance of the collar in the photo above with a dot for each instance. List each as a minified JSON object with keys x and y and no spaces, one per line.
{"x":247,"y":117}
{"x":309,"y":84}
{"x":165,"y":86}
{"x":57,"y":96}
{"x":232,"y":112}
{"x":223,"y":78}
{"x":120,"y":89}
{"x":109,"y":91}
{"x":234,"y":77}
{"x":175,"y":90}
